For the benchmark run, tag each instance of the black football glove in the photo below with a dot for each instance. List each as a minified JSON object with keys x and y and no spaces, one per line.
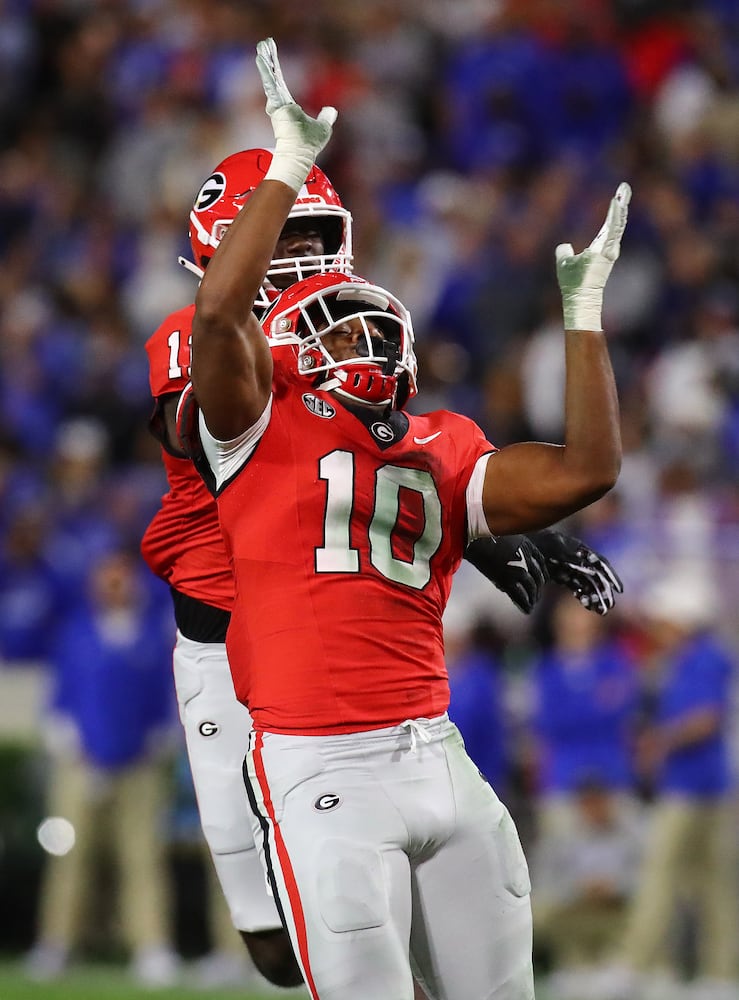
{"x":513,"y":564}
{"x":570,"y":562}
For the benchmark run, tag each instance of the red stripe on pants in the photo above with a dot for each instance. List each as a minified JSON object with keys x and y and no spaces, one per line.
{"x":296,"y":906}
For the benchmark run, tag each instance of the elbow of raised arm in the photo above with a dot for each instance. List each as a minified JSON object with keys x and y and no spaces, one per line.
{"x":609,"y":473}
{"x":613,"y":468}
{"x":600,"y":478}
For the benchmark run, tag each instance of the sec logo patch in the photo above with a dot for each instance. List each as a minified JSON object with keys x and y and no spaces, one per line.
{"x":317,"y":406}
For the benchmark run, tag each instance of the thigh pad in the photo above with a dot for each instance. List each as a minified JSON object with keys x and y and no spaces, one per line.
{"x":352,"y":894}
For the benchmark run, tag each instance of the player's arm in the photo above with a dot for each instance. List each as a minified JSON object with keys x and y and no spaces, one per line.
{"x":231,"y":360}
{"x":532,"y":485}
{"x":658,"y":742}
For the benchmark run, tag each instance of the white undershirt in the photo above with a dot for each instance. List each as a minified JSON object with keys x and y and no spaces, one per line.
{"x":225,"y":458}
{"x":477,"y":525}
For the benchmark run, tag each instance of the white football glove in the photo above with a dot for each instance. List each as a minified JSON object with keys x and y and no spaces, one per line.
{"x":582,"y":277}
{"x":298,"y":137}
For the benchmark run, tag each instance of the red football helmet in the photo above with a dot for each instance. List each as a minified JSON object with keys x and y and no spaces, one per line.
{"x":384,"y":370}
{"x":226,"y":191}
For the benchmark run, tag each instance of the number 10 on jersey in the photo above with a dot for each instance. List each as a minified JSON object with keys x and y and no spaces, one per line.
{"x":337,"y":555}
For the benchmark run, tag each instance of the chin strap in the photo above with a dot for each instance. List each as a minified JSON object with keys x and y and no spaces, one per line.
{"x":192,"y":268}
{"x":363,"y":384}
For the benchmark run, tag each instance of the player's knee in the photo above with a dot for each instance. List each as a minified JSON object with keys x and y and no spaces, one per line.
{"x":514,"y":868}
{"x":273,"y":956}
{"x":231,"y":839}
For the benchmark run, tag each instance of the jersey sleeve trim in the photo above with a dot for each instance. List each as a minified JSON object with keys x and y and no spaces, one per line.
{"x":477,"y":525}
{"x":226,"y":458}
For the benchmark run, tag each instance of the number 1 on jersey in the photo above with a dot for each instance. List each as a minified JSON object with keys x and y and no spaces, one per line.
{"x":177,"y":370}
{"x":337,"y":555}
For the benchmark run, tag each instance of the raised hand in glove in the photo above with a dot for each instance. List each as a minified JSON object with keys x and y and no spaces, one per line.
{"x":574,"y":565}
{"x":513,"y":564}
{"x":583,"y":276}
{"x":298,"y":137}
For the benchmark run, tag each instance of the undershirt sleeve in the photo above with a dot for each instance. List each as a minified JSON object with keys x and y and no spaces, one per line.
{"x":225,"y":458}
{"x":477,"y":525}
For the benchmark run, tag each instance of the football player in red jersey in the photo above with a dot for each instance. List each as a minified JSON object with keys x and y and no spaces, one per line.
{"x":344,"y":519}
{"x":183,"y":545}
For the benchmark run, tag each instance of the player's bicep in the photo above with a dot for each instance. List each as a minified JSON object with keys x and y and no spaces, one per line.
{"x":528,"y":486}
{"x":231,"y":374}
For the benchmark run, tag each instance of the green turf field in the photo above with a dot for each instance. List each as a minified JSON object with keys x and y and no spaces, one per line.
{"x":107,"y":982}
{"x":110,"y":982}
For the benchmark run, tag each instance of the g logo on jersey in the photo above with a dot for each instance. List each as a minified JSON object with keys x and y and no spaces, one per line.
{"x":318,"y":407}
{"x":210,"y":192}
{"x":329,"y":800}
{"x":208,"y":729}
{"x":382,"y":431}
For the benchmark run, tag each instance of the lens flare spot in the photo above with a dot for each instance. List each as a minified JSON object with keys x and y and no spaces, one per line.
{"x":56,"y":835}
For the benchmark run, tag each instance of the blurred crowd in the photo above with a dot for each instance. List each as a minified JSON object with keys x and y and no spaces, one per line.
{"x":466,"y":148}
{"x":472,"y":138}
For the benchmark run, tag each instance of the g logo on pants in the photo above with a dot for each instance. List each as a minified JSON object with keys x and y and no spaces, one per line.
{"x":208,"y":729}
{"x":329,"y":800}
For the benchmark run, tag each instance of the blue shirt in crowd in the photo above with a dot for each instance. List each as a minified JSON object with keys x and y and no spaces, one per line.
{"x":586,"y":703}
{"x":113,"y":680}
{"x":699,"y":677}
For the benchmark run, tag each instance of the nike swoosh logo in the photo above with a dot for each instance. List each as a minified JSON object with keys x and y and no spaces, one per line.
{"x":520,"y":562}
{"x":426,"y":439}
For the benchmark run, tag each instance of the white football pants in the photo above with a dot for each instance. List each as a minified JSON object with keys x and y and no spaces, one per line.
{"x":217,"y":731}
{"x":388,"y":850}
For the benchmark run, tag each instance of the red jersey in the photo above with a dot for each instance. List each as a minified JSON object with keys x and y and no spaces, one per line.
{"x":344,"y":534}
{"x":183,"y":543}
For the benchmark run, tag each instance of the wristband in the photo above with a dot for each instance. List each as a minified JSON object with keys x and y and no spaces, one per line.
{"x":291,"y":168}
{"x":582,"y":310}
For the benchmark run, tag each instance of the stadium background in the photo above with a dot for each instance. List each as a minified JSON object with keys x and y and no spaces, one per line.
{"x":472,"y":137}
